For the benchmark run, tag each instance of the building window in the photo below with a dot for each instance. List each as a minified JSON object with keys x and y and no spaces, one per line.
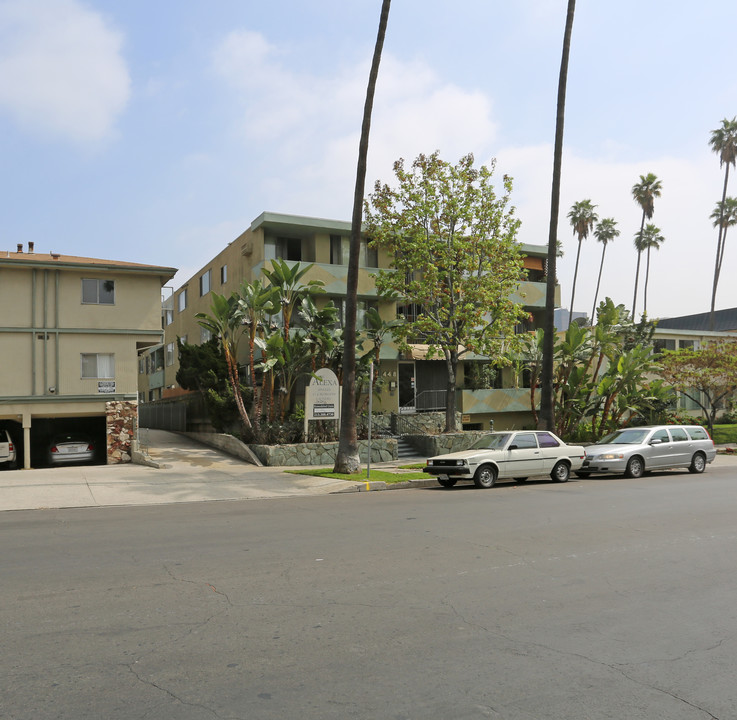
{"x":141,"y":365}
{"x":340,"y":250}
{"x":659,"y":345}
{"x":168,"y":317}
{"x":170,"y":348}
{"x":98,"y":292}
{"x":690,"y":344}
{"x":182,"y":300}
{"x":223,"y":274}
{"x":283,"y":248}
{"x":205,"y":282}
{"x":205,"y":335}
{"x":98,"y":365}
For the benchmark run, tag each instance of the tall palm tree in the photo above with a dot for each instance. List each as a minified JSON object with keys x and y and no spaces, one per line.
{"x":347,"y":459}
{"x":644,"y":193}
{"x":723,"y":142}
{"x":546,"y":420}
{"x":604,"y":232}
{"x":583,"y":218}
{"x":647,"y":239}
{"x":724,"y":216}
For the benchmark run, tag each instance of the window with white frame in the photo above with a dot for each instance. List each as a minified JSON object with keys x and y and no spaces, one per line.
{"x":182,"y":300}
{"x":205,"y":282}
{"x":205,"y":335}
{"x":98,"y":292}
{"x":170,"y":353}
{"x":168,"y":317}
{"x":98,"y":365}
{"x":223,"y":274}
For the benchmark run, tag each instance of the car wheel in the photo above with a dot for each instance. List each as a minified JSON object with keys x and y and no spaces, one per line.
{"x":447,"y":482}
{"x":698,"y":463}
{"x":520,"y":480}
{"x":635,"y":467}
{"x":561,"y":471}
{"x":485,"y":476}
{"x":582,"y":474}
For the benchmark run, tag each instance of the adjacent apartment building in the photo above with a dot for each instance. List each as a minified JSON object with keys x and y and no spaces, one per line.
{"x":414,"y":384}
{"x":71,"y":329}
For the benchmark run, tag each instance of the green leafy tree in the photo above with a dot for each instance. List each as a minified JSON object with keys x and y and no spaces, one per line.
{"x":582,"y":218}
{"x":723,"y":142}
{"x":547,"y":410}
{"x":605,"y":232}
{"x":708,"y":375}
{"x":454,"y":253}
{"x":649,"y":238}
{"x":644,"y":193}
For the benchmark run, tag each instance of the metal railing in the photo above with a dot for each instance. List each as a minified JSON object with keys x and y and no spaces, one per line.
{"x":427,"y":400}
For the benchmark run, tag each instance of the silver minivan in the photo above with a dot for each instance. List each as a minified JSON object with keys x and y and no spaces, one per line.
{"x":637,"y":450}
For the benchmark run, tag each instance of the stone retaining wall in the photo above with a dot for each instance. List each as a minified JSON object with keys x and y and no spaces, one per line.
{"x":121,"y":419}
{"x":322,"y":453}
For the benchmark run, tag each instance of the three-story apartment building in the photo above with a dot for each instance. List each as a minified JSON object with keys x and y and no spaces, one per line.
{"x":414,"y":383}
{"x":71,"y":329}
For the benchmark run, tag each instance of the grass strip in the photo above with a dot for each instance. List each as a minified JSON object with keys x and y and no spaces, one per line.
{"x":382,"y":475}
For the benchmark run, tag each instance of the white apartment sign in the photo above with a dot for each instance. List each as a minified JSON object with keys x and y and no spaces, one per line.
{"x":106,"y":386}
{"x":322,"y":396}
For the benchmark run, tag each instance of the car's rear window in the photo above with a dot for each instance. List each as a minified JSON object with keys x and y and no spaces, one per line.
{"x":547,"y":440}
{"x":697,"y":433}
{"x":678,"y":434}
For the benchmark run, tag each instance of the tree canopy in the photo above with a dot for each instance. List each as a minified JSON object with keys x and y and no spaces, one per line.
{"x":456,"y":262}
{"x":708,"y":375}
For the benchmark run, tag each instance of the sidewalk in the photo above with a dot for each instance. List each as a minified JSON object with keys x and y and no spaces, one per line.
{"x":188,"y":472}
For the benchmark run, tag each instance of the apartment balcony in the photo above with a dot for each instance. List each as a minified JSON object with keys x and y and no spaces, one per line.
{"x":494,"y":401}
{"x":532,"y":294}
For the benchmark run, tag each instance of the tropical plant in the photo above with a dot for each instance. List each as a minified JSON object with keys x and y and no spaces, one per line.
{"x":347,"y":459}
{"x":286,"y":281}
{"x":605,"y":232}
{"x":547,"y":409}
{"x":223,"y":323}
{"x":644,"y":194}
{"x":582,"y":218}
{"x":455,"y":256}
{"x":723,"y":142}
{"x":649,"y":238}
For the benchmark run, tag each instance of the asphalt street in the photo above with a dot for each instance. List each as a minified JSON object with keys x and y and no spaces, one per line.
{"x":592,"y":600}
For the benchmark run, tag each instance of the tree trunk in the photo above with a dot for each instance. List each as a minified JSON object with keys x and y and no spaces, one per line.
{"x":547,"y":413}
{"x":575,"y":277}
{"x":598,"y":282}
{"x":347,"y":459}
{"x":720,"y":252}
{"x":451,"y":360}
{"x":637,"y":271}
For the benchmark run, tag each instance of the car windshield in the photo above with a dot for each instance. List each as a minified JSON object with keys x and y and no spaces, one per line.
{"x":634,"y":436}
{"x":491,"y":442}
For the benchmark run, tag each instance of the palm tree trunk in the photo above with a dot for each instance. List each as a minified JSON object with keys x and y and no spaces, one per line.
{"x":347,"y":459}
{"x":575,"y":276}
{"x":637,"y":271}
{"x":598,"y":282}
{"x":647,"y":280}
{"x":547,"y":411}
{"x":720,"y":252}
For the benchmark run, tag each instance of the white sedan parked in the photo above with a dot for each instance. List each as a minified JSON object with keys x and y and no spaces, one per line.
{"x":514,"y":454}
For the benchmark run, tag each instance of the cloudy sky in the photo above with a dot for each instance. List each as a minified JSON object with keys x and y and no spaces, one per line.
{"x":157,"y":131}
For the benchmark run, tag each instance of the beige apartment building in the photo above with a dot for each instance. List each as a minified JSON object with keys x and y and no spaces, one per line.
{"x":70,"y":333}
{"x":415,"y":384}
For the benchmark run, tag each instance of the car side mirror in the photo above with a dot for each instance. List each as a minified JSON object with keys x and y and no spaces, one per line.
{"x":512,"y":447}
{"x":656,"y":441}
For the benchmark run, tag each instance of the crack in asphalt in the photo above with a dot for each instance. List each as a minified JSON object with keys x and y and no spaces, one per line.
{"x":616,"y":667}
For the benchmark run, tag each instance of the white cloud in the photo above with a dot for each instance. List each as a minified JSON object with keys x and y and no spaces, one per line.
{"x":61,"y":69}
